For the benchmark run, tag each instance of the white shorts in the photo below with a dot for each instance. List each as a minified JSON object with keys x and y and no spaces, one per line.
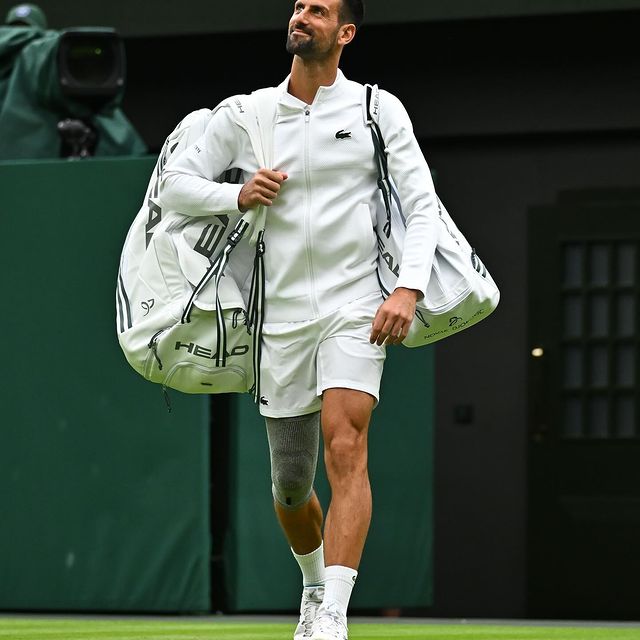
{"x":302,"y":359}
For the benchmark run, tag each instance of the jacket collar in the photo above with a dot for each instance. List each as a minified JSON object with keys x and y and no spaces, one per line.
{"x":323,"y":93}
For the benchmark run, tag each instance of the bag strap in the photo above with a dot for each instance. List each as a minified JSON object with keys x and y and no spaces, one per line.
{"x":371,"y":111}
{"x":216,"y":269}
{"x":259,"y":120}
{"x":265,"y":102}
{"x":256,"y":314}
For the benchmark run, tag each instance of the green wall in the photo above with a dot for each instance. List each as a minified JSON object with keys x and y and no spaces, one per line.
{"x":103,"y":493}
{"x":397,"y":564}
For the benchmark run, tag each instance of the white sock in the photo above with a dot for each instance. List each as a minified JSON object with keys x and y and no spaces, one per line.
{"x":338,"y":584}
{"x":312,"y":566}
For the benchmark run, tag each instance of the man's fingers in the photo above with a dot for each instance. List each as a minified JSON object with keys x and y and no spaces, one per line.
{"x":395,"y":335}
{"x":274,"y":176}
{"x":392,"y":336}
{"x":393,"y":318}
{"x":376,"y":325}
{"x":386,"y":332}
{"x":388,"y":328}
{"x":382,"y":327}
{"x":265,"y":191}
{"x":262,"y":189}
{"x":268,"y":183}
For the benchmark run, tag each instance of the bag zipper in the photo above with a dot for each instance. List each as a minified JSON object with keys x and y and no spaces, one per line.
{"x":153,"y":345}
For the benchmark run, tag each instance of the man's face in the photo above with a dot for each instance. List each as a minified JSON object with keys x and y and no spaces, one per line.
{"x":313,"y":28}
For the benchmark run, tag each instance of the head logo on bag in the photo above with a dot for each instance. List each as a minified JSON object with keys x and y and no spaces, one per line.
{"x":203,"y":352}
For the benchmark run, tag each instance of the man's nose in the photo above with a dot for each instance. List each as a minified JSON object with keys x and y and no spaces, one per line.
{"x":301,"y":18}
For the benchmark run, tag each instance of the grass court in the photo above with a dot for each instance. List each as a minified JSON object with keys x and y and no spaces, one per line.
{"x":225,"y":628}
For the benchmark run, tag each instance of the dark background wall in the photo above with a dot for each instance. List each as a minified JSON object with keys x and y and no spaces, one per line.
{"x":203,"y":16}
{"x":509,"y":112}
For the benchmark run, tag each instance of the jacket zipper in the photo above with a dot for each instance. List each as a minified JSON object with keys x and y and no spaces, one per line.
{"x":307,"y":215}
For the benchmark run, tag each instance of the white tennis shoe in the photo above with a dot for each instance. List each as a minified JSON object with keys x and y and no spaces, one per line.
{"x":311,"y":600}
{"x":329,"y":624}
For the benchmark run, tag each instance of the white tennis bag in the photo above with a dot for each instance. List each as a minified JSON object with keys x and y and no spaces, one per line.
{"x":187,"y":318}
{"x":460,"y":291}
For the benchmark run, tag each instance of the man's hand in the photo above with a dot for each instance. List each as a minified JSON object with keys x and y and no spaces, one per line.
{"x":394,"y":317}
{"x":261,"y":189}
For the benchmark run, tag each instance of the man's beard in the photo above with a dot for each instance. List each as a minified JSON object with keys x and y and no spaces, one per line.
{"x":307,"y":48}
{"x":303,"y":47}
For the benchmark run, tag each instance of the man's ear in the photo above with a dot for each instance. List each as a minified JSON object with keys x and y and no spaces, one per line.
{"x":348,"y":32}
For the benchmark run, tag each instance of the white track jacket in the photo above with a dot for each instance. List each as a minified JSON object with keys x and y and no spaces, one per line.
{"x":321,"y":248}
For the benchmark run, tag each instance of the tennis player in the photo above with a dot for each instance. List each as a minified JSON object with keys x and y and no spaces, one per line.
{"x":326,"y":323}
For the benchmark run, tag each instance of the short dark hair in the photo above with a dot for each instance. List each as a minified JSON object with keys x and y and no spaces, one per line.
{"x":352,"y":11}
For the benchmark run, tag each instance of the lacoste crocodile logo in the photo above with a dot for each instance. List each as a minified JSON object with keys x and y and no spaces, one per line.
{"x":342,"y":134}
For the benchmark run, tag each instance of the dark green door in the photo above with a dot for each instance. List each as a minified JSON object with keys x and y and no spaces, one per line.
{"x":584,"y":451}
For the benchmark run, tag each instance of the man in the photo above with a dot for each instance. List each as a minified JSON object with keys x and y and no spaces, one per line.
{"x":326,"y":324}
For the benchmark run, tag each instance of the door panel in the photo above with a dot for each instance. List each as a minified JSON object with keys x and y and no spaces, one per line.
{"x":584,"y":452}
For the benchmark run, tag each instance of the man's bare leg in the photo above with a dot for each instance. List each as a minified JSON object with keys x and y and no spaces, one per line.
{"x":303,"y":530}
{"x":302,"y":527}
{"x":345,"y":422}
